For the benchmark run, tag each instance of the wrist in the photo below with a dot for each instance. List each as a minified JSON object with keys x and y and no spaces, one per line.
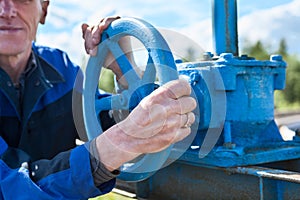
{"x":100,"y":173}
{"x":115,"y":148}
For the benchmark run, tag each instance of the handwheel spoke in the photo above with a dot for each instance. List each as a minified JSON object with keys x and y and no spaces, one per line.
{"x":150,"y":72}
{"x":103,"y":104}
{"x":148,"y":79}
{"x":123,"y":62}
{"x":114,"y":102}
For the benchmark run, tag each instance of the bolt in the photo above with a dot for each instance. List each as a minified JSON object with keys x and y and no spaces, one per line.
{"x":276,"y":58}
{"x":194,"y":78}
{"x":226,"y":56}
{"x":244,"y":57}
{"x":229,"y":145}
{"x":207,"y":56}
{"x":178,"y":61}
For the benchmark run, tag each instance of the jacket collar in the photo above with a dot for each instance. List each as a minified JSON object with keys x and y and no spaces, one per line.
{"x":47,"y":71}
{"x":41,"y":77}
{"x":44,"y":70}
{"x":42,"y":80}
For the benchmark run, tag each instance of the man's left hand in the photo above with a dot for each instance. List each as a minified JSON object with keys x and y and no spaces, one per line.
{"x":92,"y":34}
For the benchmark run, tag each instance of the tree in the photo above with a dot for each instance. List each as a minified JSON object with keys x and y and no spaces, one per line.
{"x":291,"y":93}
{"x":282,"y":50}
{"x":257,"y":51}
{"x":292,"y":90}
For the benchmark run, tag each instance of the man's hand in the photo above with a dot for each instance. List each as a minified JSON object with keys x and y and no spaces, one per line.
{"x":92,"y":34}
{"x":161,"y":119}
{"x":92,"y":38}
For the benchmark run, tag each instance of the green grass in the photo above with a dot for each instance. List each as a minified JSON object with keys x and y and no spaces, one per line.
{"x":112,"y":196}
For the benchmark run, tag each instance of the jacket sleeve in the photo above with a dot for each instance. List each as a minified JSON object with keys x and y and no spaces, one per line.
{"x":67,"y":176}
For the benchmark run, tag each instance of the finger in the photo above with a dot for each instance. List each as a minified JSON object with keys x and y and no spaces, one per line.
{"x":182,"y":133}
{"x":84,"y":27}
{"x":160,"y":142}
{"x":96,"y":35}
{"x":177,"y":121}
{"x":86,"y":31}
{"x":170,"y":91}
{"x":161,"y":125}
{"x":179,"y":135}
{"x":187,"y":119}
{"x":97,"y":32}
{"x":182,"y":105}
{"x":177,"y":88}
{"x":104,"y":23}
{"x":92,"y":39}
{"x":149,"y":121}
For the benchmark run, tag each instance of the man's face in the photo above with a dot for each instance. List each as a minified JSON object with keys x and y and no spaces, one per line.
{"x":19,"y":20}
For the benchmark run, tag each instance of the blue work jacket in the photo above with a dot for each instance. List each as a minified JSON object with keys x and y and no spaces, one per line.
{"x":39,"y":157}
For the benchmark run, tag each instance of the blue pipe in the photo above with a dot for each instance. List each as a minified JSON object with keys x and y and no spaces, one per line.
{"x":225,"y":26}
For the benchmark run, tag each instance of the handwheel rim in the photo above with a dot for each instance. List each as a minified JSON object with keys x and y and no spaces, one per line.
{"x":161,"y":55}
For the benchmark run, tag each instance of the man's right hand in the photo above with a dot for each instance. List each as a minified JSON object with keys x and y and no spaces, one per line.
{"x":161,"y":119}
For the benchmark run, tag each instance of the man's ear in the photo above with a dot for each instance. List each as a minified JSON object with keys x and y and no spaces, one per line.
{"x":45,"y":5}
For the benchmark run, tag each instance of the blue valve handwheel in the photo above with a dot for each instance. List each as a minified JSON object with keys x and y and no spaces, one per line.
{"x":160,"y":64}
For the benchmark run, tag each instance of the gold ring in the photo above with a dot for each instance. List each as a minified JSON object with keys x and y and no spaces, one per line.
{"x":187,"y":123}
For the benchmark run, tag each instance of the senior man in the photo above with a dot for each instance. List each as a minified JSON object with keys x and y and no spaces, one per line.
{"x":39,"y":157}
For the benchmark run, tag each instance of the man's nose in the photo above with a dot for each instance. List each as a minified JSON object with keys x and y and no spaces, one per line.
{"x":7,"y":9}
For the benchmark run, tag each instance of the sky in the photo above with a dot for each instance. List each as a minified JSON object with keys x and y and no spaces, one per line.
{"x":265,"y":20}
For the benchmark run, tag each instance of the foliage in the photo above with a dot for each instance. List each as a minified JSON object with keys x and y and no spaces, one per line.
{"x":106,"y":80}
{"x":258,"y":51}
{"x":282,"y":49}
{"x":292,"y":91}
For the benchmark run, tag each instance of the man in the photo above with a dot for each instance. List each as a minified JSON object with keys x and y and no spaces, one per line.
{"x":39,"y":158}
